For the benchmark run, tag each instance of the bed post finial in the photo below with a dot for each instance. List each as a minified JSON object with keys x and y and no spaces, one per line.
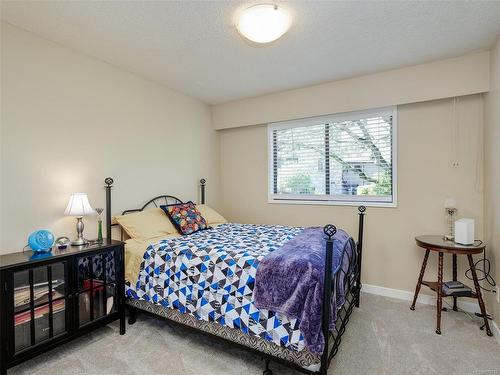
{"x":109,"y":184}
{"x":330,"y":230}
{"x":202,"y":185}
{"x":361,"y":210}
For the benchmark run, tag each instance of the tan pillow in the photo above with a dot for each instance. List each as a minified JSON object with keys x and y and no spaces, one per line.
{"x":211,"y":216}
{"x":149,"y":223}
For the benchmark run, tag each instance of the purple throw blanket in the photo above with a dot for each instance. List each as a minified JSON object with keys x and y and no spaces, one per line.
{"x":290,"y":281}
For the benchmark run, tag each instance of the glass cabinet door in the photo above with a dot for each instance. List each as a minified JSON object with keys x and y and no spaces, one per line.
{"x":39,"y":304}
{"x":96,"y":296}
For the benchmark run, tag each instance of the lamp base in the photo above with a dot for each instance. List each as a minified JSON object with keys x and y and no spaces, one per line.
{"x":80,"y":242}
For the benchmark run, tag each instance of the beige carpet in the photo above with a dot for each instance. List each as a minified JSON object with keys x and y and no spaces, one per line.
{"x":383,"y":337}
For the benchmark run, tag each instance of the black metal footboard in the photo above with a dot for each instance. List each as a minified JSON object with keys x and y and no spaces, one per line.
{"x":350,"y":279}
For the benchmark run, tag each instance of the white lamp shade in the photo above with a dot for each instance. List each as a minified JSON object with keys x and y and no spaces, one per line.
{"x":450,"y":203}
{"x":78,"y":205}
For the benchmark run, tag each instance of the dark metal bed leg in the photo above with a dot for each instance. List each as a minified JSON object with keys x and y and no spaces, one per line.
{"x":329,"y":230}
{"x":361,"y":210}
{"x":132,"y":315}
{"x":267,"y":370}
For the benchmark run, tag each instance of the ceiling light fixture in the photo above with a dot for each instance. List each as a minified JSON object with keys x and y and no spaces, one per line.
{"x":263,"y":23}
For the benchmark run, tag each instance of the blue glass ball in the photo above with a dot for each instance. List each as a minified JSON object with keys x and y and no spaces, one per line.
{"x":41,"y":241}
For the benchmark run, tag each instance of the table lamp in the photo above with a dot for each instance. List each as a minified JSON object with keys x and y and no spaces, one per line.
{"x":450,"y":205}
{"x":79,"y":206}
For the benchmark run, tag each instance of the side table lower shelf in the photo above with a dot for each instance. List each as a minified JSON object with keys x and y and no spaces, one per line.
{"x":433,"y":285}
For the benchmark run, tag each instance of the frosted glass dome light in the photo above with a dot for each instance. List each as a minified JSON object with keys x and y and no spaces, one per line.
{"x":263,"y":23}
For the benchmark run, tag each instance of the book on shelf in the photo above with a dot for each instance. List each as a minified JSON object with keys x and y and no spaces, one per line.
{"x":458,"y":292}
{"x":40,"y":311}
{"x":40,"y":294}
{"x":453,"y":284}
{"x":55,"y":283}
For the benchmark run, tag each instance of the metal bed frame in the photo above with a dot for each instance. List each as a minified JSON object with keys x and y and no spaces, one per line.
{"x":351,"y":281}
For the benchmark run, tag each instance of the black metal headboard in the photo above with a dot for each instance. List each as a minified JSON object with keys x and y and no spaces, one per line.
{"x":156,"y":202}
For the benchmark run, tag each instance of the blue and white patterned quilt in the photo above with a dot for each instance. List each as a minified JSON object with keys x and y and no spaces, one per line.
{"x":211,"y":275}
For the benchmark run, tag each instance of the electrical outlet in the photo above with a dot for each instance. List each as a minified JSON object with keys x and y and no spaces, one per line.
{"x":497,"y":294}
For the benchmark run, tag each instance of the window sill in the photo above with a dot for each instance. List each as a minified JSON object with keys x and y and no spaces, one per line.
{"x":333,"y":203}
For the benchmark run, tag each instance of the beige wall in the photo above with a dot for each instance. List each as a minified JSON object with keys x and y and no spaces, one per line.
{"x":459,"y":76}
{"x":492,"y":171}
{"x":426,"y":178}
{"x":69,"y":121}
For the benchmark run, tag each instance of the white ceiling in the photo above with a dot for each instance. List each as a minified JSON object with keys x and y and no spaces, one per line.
{"x":192,"y":46}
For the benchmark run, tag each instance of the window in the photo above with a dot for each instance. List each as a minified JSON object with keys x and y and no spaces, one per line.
{"x":339,"y":159}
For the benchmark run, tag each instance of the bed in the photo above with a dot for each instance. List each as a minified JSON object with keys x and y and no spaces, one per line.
{"x":218,"y":282}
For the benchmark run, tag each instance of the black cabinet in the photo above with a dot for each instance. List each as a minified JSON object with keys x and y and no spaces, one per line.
{"x":48,"y":299}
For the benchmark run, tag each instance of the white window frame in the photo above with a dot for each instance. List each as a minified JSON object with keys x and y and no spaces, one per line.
{"x":334,"y":200}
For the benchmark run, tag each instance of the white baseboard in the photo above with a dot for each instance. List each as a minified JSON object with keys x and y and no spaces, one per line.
{"x":471,"y":307}
{"x":496,"y":331}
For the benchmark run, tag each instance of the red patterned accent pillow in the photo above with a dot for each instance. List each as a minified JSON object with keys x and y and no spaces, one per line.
{"x":185,"y":217}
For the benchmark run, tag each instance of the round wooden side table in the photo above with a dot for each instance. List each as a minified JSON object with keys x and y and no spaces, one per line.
{"x":440,"y":245}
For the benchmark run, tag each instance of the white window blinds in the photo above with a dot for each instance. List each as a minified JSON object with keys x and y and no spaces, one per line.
{"x":348,"y":158}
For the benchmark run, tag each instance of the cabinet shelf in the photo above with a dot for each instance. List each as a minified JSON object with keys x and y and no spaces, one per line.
{"x":39,"y":312}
